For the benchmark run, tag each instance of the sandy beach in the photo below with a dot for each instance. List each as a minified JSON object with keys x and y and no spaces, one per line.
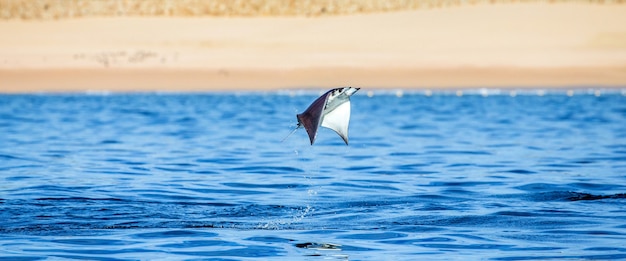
{"x":517,"y":45}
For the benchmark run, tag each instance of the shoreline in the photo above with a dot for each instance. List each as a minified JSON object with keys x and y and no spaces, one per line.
{"x":198,"y":80}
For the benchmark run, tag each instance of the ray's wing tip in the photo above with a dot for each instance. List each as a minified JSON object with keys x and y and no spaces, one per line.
{"x":312,"y":139}
{"x":345,"y":139}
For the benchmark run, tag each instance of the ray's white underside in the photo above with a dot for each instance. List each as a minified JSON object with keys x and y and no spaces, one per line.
{"x":338,"y":120}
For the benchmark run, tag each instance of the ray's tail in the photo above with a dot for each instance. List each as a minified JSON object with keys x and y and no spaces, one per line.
{"x":294,"y":130}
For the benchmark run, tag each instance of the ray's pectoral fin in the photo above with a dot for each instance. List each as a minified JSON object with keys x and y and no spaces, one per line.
{"x":338,"y":120}
{"x":307,"y":121}
{"x":311,"y":118}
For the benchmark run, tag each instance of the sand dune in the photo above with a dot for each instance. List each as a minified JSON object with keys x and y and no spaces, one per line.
{"x":503,"y":45}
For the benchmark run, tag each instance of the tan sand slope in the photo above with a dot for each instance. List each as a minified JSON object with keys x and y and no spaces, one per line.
{"x":468,"y":46}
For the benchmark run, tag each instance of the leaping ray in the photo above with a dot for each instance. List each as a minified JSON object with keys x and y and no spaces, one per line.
{"x":331,"y":110}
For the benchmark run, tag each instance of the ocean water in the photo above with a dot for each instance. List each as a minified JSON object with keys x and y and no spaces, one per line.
{"x":488,"y":175}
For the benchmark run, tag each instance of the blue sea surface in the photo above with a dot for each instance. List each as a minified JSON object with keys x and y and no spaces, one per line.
{"x":489,"y":175}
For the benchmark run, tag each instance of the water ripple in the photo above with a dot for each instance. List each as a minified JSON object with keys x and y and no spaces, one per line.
{"x":199,"y":177}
